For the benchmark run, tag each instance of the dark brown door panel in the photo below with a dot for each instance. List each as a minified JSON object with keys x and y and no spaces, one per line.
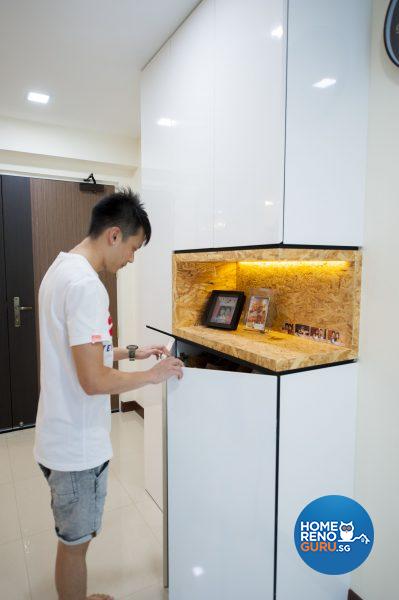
{"x":20,"y":291}
{"x":5,"y":393}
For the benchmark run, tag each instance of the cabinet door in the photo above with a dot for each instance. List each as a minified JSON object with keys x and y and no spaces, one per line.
{"x":151,"y":397}
{"x":191,"y":85}
{"x":327,"y":113}
{"x":249,"y":122}
{"x":221,"y":431}
{"x":316,"y":458}
{"x":155,"y":260}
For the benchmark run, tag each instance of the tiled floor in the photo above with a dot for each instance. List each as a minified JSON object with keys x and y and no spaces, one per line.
{"x":125,"y":560}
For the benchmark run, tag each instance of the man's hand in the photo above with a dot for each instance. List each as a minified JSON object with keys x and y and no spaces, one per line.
{"x":95,"y":378}
{"x":148,"y":351}
{"x":169,"y":367}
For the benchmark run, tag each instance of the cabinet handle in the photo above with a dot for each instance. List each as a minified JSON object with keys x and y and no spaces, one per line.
{"x":17,"y":311}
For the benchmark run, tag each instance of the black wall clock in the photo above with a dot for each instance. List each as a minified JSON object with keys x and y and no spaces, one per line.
{"x":391,"y":31}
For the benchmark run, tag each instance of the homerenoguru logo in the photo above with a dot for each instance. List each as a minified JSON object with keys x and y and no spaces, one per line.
{"x":334,"y":535}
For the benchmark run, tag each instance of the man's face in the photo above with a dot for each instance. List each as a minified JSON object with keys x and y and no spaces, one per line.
{"x":122,"y":250}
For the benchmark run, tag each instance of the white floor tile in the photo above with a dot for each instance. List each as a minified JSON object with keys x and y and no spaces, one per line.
{"x":21,"y":437}
{"x":155,"y":592}
{"x":5,"y":465}
{"x":152,"y":515}
{"x":127,"y":434}
{"x":23,"y":464}
{"x":33,"y":502}
{"x":9,"y":524}
{"x":130,"y":472}
{"x":117,"y":496}
{"x":126,"y":557}
{"x":40,"y":552}
{"x":13,"y":576}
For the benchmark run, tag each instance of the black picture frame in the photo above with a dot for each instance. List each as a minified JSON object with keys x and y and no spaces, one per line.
{"x":215,"y":299}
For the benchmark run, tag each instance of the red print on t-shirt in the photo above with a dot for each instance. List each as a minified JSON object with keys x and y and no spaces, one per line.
{"x":111,"y":325}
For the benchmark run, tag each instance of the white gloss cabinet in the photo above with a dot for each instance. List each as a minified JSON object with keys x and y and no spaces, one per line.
{"x":259,"y":113}
{"x":220,"y":105}
{"x":221,"y":432}
{"x":224,"y":430}
{"x":249,"y":113}
{"x":191,"y":154}
{"x":154,"y":261}
{"x":327,"y":113}
{"x":316,"y":458}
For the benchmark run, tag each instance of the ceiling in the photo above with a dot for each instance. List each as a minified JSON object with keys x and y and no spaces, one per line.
{"x":86,"y":54}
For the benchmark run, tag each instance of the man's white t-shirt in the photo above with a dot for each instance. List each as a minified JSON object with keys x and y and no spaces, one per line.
{"x":72,"y":428}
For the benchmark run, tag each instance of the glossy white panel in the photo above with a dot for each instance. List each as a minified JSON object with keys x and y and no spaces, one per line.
{"x":249,"y":121}
{"x":155,"y":260}
{"x":327,"y":90}
{"x":150,"y":397}
{"x":221,"y":481}
{"x":317,"y":446}
{"x":153,"y":456}
{"x":191,"y":86}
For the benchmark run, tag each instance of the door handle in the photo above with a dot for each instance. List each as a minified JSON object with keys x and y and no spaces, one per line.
{"x":17,"y":311}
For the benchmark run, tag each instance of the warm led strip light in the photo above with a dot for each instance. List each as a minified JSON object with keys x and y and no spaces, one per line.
{"x":294,"y":263}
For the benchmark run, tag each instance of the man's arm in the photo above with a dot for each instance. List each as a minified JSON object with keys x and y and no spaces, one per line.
{"x":120,"y":354}
{"x":145,"y":352}
{"x":95,"y":378}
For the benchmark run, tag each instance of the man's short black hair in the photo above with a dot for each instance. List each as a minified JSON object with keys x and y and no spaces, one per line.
{"x":122,"y":209}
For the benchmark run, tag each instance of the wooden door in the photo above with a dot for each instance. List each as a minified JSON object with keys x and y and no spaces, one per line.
{"x":60,"y":220}
{"x":5,"y":392}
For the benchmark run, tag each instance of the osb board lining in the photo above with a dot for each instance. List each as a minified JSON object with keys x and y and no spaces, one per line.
{"x":193,"y":282}
{"x":272,"y":350}
{"x":318,"y":295}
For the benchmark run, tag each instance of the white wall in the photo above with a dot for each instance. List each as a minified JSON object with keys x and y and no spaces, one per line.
{"x":128,"y":280}
{"x":377,"y":465}
{"x":55,"y":141}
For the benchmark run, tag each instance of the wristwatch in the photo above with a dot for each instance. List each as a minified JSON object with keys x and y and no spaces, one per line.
{"x":132,"y":351}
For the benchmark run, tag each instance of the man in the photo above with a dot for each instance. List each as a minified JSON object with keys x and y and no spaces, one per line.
{"x":72,"y":441}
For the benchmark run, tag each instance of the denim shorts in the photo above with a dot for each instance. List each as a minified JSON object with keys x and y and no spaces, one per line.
{"x":77,"y":502}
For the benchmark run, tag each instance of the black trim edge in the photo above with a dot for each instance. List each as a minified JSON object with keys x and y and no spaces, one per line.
{"x":276,"y":487}
{"x":265,"y":247}
{"x":353,"y":596}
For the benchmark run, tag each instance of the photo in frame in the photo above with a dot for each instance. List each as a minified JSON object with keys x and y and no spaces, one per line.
{"x":302,"y":330}
{"x":224,"y":309}
{"x":318,"y":334}
{"x":257,"y":312}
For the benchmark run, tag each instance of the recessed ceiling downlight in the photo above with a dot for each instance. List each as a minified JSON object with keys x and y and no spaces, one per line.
{"x":36,"y":97}
{"x":325,"y":83}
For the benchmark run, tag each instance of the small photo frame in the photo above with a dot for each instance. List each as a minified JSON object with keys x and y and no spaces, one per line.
{"x":302,"y":330}
{"x":318,"y":334}
{"x":258,"y":309}
{"x":288,"y":328}
{"x":333,"y":337}
{"x":224,"y":309}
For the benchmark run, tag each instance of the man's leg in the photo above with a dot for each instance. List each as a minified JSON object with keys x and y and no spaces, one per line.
{"x":71,"y":573}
